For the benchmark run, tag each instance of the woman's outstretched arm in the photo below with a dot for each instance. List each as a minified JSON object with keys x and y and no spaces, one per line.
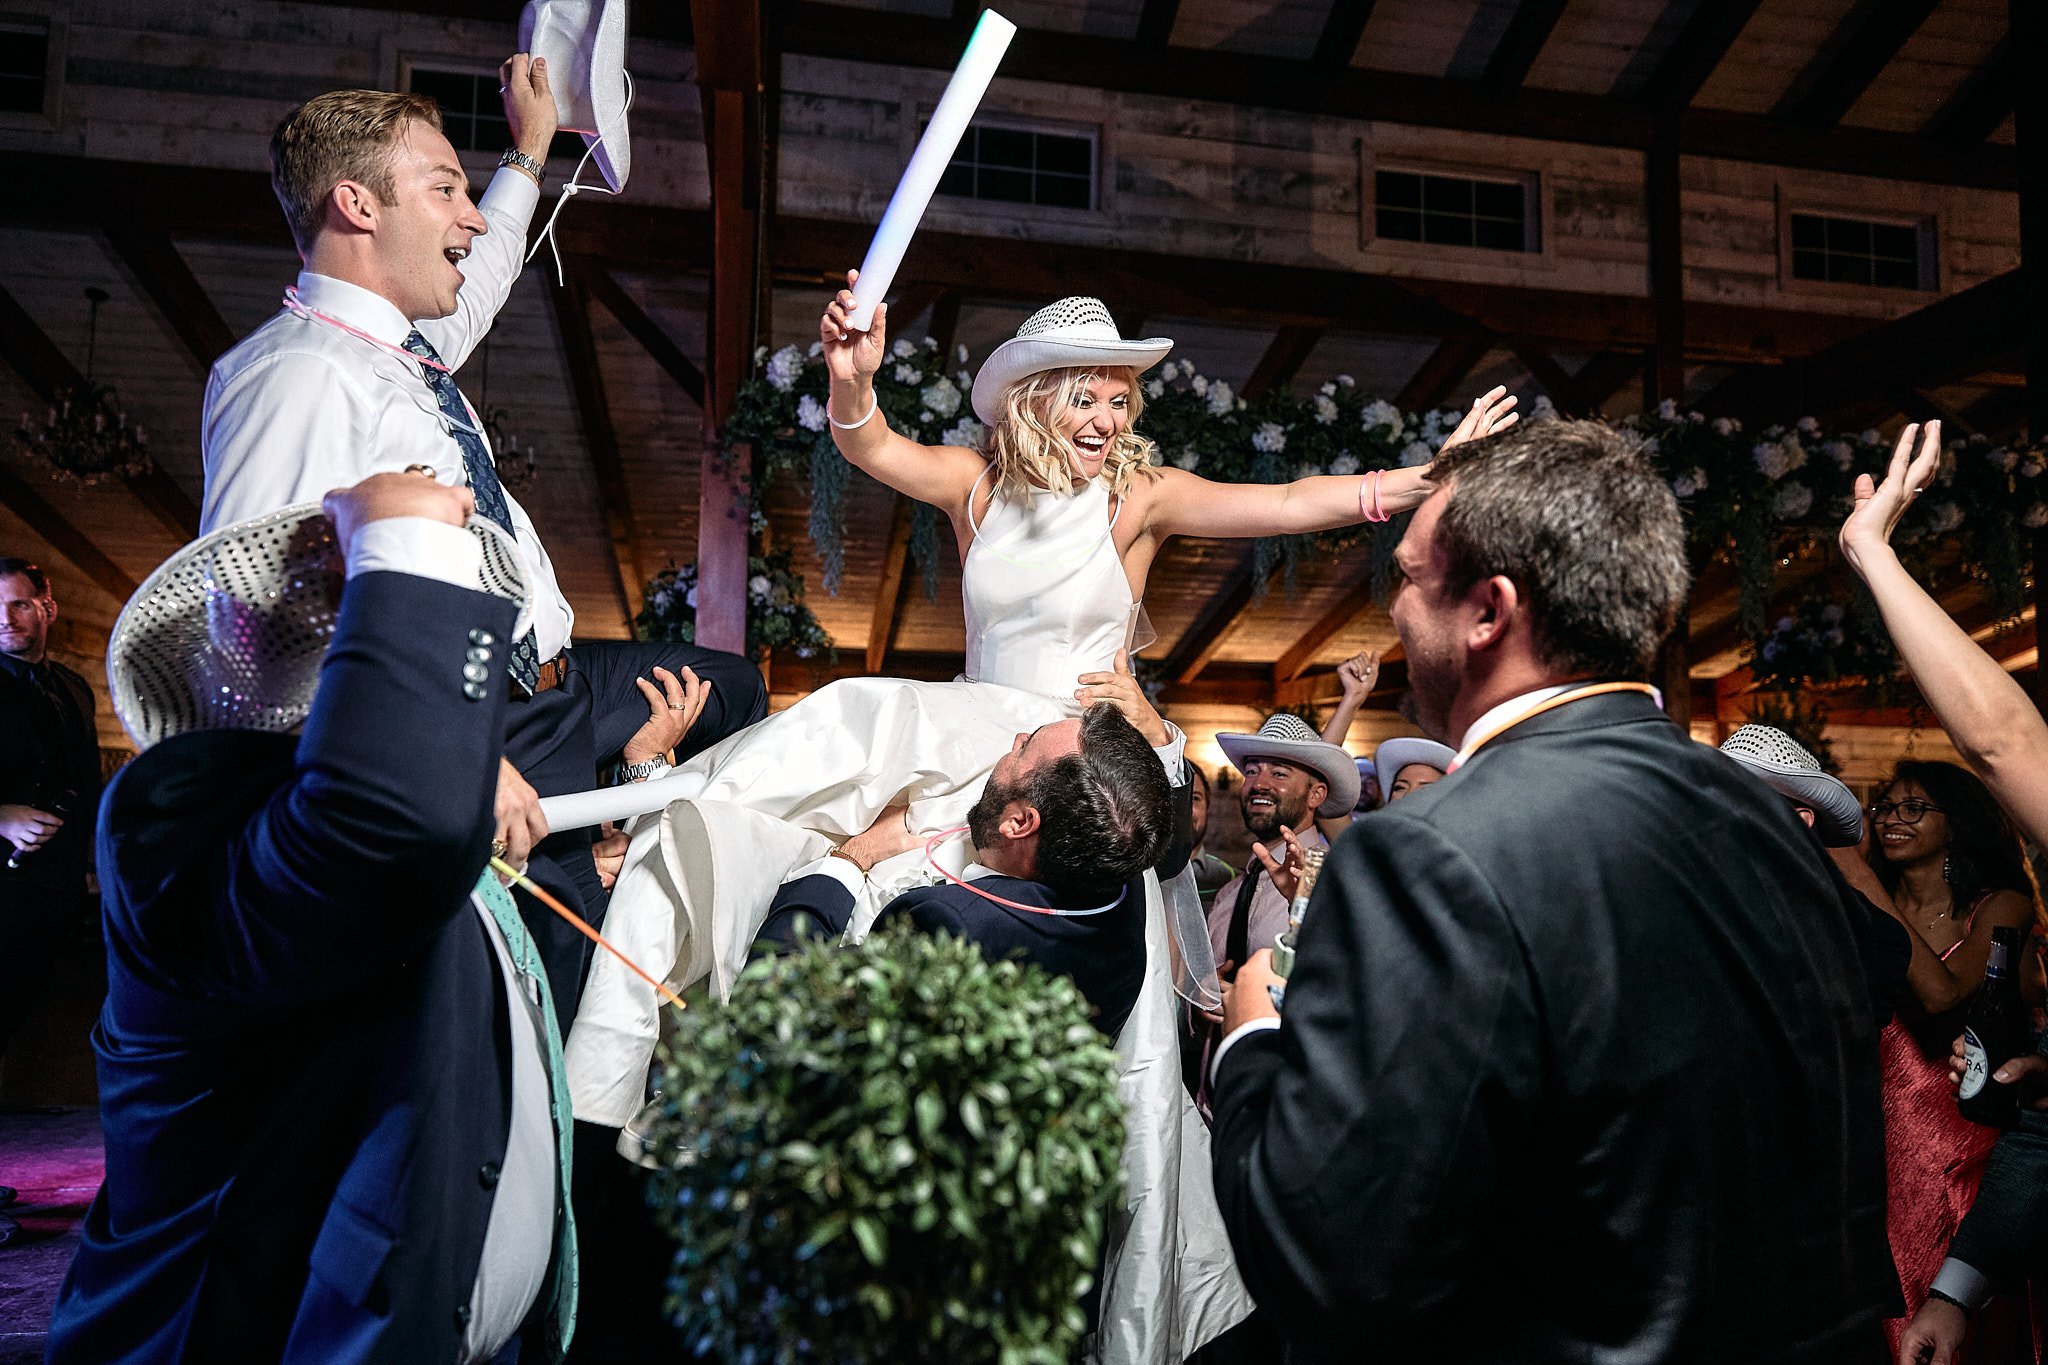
{"x":1185,"y":504}
{"x":939,"y":475}
{"x":1986,"y":713}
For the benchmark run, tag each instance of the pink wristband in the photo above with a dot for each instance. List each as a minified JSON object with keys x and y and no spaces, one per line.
{"x":1369,"y":497}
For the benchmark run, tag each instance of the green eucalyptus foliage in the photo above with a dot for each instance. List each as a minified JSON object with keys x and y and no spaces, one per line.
{"x":776,"y":615}
{"x":891,"y":1153}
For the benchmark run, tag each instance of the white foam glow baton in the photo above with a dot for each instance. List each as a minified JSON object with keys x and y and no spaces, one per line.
{"x":985,"y":49}
{"x":583,"y":810}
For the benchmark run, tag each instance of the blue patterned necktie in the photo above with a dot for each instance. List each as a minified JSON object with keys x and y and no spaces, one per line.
{"x":483,"y":482}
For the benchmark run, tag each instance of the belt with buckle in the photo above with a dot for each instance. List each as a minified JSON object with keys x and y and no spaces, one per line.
{"x":551,"y":674}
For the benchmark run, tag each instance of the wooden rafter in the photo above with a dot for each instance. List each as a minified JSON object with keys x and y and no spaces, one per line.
{"x":1980,"y":103}
{"x":1284,"y":357}
{"x":65,"y":538}
{"x":890,"y":589}
{"x":187,"y":309}
{"x":1600,"y":378}
{"x":1698,"y":49}
{"x":1205,"y":634}
{"x":1519,"y":46}
{"x":1557,"y":381}
{"x":1443,"y":371}
{"x":1155,"y":22}
{"x":593,"y":412}
{"x":48,"y":371}
{"x":658,"y":344}
{"x":1356,"y":601}
{"x":1341,"y":33}
{"x":1864,"y":43}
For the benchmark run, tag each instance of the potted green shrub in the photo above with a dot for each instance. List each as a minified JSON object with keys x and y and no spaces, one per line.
{"x":890,"y":1153}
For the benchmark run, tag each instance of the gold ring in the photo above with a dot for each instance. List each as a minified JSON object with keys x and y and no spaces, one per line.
{"x":676,"y":706}
{"x":425,"y":469}
{"x":499,"y":848}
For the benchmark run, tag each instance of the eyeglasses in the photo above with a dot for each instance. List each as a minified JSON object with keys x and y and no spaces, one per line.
{"x":1909,"y":812}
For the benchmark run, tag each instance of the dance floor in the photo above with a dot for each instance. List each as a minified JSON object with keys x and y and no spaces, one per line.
{"x":53,"y":1157}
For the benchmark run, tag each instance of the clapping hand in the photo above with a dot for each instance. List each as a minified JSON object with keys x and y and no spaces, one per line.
{"x":672,"y":709}
{"x":1120,"y":689}
{"x":1490,"y":412}
{"x":1285,"y":871}
{"x":1880,"y":505}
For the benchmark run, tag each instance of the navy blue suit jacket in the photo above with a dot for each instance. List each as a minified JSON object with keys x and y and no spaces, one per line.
{"x":304,"y":1061}
{"x":1103,"y":954}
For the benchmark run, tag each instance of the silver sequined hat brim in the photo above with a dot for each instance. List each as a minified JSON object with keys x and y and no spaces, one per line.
{"x":1788,"y":769}
{"x":229,"y":633}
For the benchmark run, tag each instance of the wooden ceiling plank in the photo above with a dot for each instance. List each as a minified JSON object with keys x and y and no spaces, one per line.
{"x":1155,"y":22}
{"x":890,"y":589}
{"x":1342,"y":30}
{"x":1863,"y":44}
{"x":1283,"y":359}
{"x":1353,"y":604}
{"x":1563,"y":388}
{"x":1521,"y":43}
{"x":658,"y":344}
{"x":65,"y":538}
{"x":1980,"y":103}
{"x":593,"y":412}
{"x":1205,"y":634}
{"x":1701,"y":44}
{"x":1442,"y":372}
{"x":187,"y":309}
{"x":48,"y":371}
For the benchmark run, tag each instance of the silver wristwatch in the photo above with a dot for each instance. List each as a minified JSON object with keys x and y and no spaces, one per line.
{"x":514,"y":157}
{"x":641,"y":771}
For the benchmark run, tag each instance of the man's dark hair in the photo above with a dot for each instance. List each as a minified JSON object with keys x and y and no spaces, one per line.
{"x":35,"y":576}
{"x":1578,"y":517}
{"x":1105,"y":814}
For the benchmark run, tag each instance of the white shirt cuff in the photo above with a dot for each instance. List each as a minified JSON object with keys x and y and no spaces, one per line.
{"x":838,"y":869}
{"x":419,"y":546}
{"x":1171,"y":755}
{"x":511,"y":194}
{"x":1248,"y":1027}
{"x":1963,"y":1282}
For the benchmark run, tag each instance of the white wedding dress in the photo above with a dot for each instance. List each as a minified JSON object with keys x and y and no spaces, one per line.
{"x":1046,"y":599}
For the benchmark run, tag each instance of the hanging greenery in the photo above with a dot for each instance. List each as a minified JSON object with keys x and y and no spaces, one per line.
{"x":1747,"y":497}
{"x":776,"y":615}
{"x":1821,"y":642}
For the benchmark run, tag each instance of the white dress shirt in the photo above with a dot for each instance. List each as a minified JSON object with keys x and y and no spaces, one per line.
{"x":519,"y":1237}
{"x":302,"y":407}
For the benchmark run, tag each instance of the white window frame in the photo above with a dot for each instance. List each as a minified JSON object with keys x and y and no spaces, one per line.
{"x":1535,"y":207}
{"x":39,"y":16}
{"x":1004,"y":208}
{"x":1925,"y":225}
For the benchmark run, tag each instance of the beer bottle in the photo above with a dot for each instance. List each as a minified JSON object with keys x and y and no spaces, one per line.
{"x":1994,"y":1032}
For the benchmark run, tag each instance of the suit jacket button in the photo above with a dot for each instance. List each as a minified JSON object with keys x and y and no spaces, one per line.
{"x":476,"y":673}
{"x":482,"y":637}
{"x":462,"y":1318}
{"x":479,"y":655}
{"x":475,"y":691}
{"x":487,"y":1175}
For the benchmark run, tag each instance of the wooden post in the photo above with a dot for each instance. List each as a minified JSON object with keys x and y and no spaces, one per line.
{"x":1665,"y":378}
{"x":2030,"y":125}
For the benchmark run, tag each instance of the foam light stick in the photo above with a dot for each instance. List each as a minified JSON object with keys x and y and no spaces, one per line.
{"x":585,"y":810}
{"x":985,"y":49}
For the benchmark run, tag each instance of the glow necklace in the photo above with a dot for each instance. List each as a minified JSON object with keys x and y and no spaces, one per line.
{"x":933,"y":842}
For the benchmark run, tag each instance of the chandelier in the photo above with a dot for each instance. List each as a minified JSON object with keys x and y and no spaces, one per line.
{"x":85,"y":436}
{"x":516,"y":467}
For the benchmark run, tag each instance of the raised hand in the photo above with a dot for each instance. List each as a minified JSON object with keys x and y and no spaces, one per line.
{"x":850,"y":356}
{"x":1120,"y":689}
{"x":1880,"y":505}
{"x":1490,"y":412}
{"x":1358,"y":674}
{"x":1286,"y":870}
{"x":530,"y":109}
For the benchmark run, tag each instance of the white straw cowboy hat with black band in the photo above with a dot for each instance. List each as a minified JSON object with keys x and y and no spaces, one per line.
{"x":1788,"y":769}
{"x":1074,"y":333}
{"x":1287,"y":738}
{"x":1397,"y":753}
{"x":229,"y":633}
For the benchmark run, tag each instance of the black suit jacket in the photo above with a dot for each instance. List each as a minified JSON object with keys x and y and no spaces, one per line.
{"x":49,"y":754}
{"x":304,"y":1057}
{"x":1577,"y":1063}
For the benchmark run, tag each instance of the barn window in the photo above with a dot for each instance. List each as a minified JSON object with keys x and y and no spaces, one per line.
{"x":1023,"y":166}
{"x":1453,"y":210}
{"x":473,"y":112}
{"x":1858,"y":251}
{"x":24,"y":66}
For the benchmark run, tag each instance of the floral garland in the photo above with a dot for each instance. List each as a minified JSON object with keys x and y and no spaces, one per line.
{"x":776,"y":615}
{"x":1746,"y":498}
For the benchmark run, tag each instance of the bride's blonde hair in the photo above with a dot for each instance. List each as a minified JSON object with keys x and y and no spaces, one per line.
{"x":1028,"y":451}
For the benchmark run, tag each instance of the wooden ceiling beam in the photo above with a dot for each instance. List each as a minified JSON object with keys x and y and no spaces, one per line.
{"x":1600,"y":378}
{"x":658,"y":344}
{"x":890,"y":590}
{"x":1527,"y":31}
{"x":1155,"y":22}
{"x":65,"y":538}
{"x":47,"y":370}
{"x":1432,"y":385}
{"x":187,"y":309}
{"x":1355,"y":602}
{"x":1327,"y":84}
{"x":1863,"y":44}
{"x":594,"y":415}
{"x":1980,"y":103}
{"x":1285,"y":355}
{"x":1205,"y":634}
{"x":1558,"y":382}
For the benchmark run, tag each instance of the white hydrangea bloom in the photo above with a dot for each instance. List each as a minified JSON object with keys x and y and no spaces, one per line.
{"x":810,"y":413}
{"x":2032,"y":466}
{"x":1870,"y":437}
{"x":1221,"y":398}
{"x":1381,"y":413}
{"x":1329,"y":389}
{"x":1345,"y":463}
{"x":1945,"y":517}
{"x":1793,"y":501}
{"x":1187,"y":459}
{"x":1326,"y":408}
{"x":1543,"y":407}
{"x":759,"y":588}
{"x":965,"y":432}
{"x":1155,"y":388}
{"x":1270,"y":438}
{"x":1725,"y":426}
{"x":817,"y":349}
{"x":2006,"y":460}
{"x":1416,"y":453}
{"x":1170,"y":371}
{"x":690,"y":599}
{"x":1684,"y":486}
{"x":2035,"y":517}
{"x":1842,"y":453}
{"x":959,"y":355}
{"x":941,"y":397}
{"x":784,"y":367}
{"x":1668,"y":410}
{"x":1776,"y":459}
{"x":1810,"y":425}
{"x":1347,"y":381}
{"x":1200,"y":385}
{"x":901,"y":348}
{"x":908,"y":374}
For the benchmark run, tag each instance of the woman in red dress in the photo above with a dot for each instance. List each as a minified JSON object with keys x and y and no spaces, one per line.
{"x":1951,"y":863}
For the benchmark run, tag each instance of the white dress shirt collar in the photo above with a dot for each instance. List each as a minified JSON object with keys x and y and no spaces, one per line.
{"x":358,"y":307}
{"x":1505,"y":714}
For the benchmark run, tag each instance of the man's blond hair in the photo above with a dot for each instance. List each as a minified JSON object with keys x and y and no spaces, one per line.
{"x":342,"y":135}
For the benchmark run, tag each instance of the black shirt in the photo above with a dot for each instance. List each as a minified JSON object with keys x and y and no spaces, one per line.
{"x":49,"y":756}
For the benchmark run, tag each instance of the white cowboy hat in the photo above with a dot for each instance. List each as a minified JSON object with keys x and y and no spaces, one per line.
{"x":1075,"y":333}
{"x":1288,"y":737}
{"x":584,"y":44}
{"x":1397,"y":753}
{"x":229,"y":633}
{"x":1789,"y":770}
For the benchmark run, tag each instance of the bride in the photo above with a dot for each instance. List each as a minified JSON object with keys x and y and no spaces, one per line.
{"x":1058,"y":521}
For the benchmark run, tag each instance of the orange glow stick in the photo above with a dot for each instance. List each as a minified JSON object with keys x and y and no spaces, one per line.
{"x":505,"y":869}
